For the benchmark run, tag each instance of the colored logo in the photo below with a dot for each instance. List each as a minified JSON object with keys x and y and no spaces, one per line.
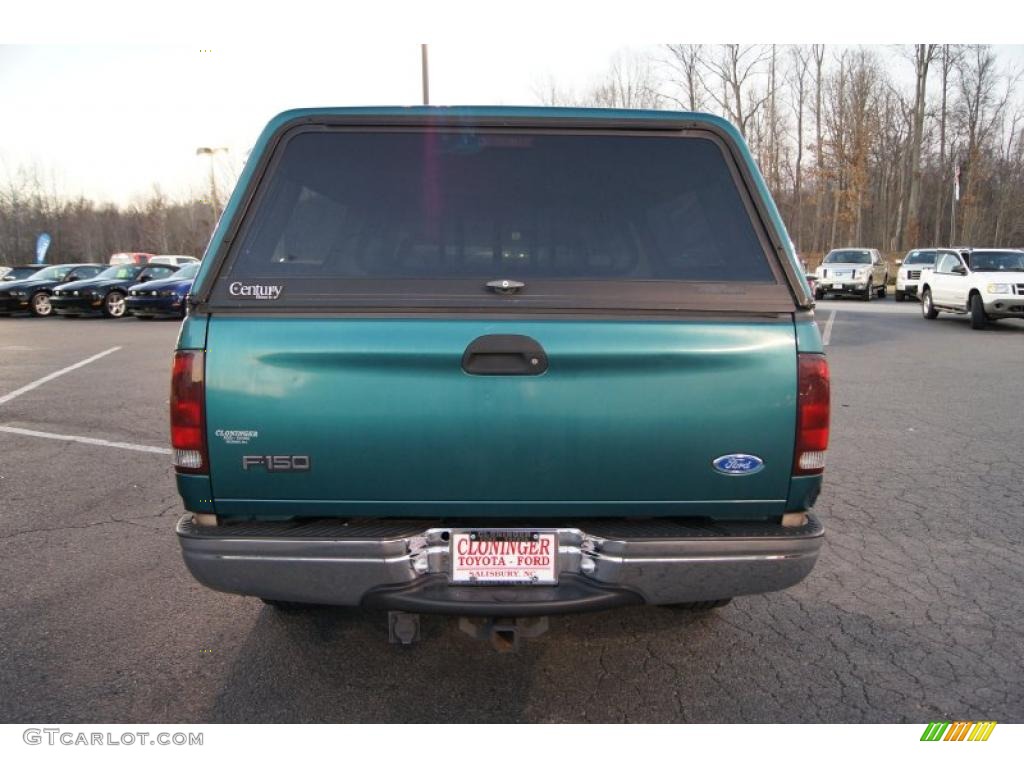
{"x":738,"y":464}
{"x":959,"y":731}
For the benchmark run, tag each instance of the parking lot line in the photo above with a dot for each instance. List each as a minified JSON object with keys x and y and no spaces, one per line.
{"x":86,"y":440}
{"x":51,"y":376}
{"x":827,"y":335}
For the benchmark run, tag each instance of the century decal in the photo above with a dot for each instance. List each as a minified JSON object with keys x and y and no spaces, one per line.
{"x":264,"y":292}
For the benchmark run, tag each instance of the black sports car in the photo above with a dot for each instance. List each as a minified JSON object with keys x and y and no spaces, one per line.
{"x":33,"y":294}
{"x":19,"y":272}
{"x":106,"y":291}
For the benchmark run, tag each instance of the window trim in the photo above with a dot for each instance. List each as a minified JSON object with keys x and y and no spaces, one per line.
{"x":779,"y":295}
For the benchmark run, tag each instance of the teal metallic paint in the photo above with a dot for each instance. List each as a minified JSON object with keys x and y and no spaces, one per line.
{"x":808,"y":337}
{"x":195,"y":492}
{"x":192,"y":334}
{"x":626,"y":420}
{"x":803,"y":492}
{"x":636,"y":440}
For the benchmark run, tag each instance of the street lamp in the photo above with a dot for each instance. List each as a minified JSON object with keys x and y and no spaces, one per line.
{"x":210,"y":152}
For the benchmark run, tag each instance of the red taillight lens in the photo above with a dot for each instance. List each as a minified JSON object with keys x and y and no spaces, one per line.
{"x":188,"y":412}
{"x":812,"y":415}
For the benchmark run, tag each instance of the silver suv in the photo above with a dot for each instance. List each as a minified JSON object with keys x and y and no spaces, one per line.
{"x":854,"y":272}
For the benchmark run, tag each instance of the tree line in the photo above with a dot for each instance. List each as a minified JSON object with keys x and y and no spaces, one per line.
{"x":857,"y":147}
{"x":86,"y":230}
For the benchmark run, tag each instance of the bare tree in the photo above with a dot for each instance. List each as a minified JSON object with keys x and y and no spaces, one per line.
{"x":979,"y":111}
{"x":947,"y":58}
{"x":923,"y":56}
{"x":818,"y":55}
{"x":798,"y":82}
{"x":686,"y":74}
{"x":733,"y":76}
{"x":629,"y":83}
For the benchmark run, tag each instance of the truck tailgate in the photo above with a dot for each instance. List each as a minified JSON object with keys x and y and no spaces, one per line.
{"x":626,"y":420}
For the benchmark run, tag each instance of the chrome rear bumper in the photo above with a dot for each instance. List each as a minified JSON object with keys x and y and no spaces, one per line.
{"x":404,"y":565}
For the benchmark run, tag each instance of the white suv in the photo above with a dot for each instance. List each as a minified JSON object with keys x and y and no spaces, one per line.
{"x":987,"y":284}
{"x":174,"y":261}
{"x":908,"y":274}
{"x":858,"y":271}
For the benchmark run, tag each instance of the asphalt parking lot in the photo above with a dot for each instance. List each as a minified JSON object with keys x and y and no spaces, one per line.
{"x":914,"y":612}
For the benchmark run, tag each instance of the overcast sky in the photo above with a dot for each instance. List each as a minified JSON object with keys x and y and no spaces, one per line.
{"x":110,"y":121}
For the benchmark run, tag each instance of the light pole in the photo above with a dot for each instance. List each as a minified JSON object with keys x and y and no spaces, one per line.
{"x":210,"y":152}
{"x":425,"y":71}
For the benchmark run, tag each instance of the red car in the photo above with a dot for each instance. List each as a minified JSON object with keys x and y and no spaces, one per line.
{"x":131,"y":258}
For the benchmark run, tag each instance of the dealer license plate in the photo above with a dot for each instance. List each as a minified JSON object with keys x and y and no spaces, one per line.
{"x":504,"y":557}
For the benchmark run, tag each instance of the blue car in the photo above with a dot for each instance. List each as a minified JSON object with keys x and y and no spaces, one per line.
{"x":162,"y":298}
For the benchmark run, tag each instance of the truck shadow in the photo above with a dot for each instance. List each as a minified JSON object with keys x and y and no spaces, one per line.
{"x":335,"y":665}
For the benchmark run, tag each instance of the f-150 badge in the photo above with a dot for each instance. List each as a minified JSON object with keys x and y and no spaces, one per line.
{"x":738,"y":464}
{"x":276,"y":463}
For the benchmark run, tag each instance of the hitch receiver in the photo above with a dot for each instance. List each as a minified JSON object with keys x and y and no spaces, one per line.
{"x":504,"y":633}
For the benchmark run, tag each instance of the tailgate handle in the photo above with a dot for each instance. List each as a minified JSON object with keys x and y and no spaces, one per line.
{"x":504,"y":355}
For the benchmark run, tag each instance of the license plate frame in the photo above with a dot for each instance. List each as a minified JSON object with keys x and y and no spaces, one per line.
{"x":495,"y":557}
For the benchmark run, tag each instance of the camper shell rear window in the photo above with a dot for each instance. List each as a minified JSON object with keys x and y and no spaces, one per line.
{"x":427,"y":217}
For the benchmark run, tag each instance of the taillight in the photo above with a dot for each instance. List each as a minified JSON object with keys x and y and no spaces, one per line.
{"x":812,"y":414}
{"x":188,"y":412}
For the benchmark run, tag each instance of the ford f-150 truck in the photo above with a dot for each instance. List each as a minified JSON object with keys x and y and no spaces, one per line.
{"x":499,"y":363}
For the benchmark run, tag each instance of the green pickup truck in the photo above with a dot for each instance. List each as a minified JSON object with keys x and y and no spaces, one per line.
{"x":499,"y":363}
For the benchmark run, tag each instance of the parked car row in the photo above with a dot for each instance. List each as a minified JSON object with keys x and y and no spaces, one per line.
{"x":864,"y":272}
{"x":987,"y":284}
{"x":146,"y":290}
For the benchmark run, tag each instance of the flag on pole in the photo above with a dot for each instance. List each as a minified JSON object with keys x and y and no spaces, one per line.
{"x":956,"y":183}
{"x":42,"y":243}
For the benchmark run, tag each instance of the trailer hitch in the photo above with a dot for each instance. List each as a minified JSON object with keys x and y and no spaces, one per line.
{"x":505,"y":633}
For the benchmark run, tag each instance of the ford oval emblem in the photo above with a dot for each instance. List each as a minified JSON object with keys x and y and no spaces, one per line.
{"x":738,"y":464}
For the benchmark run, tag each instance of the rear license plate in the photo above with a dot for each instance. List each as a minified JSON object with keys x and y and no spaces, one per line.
{"x":504,"y":557}
{"x":837,"y":286}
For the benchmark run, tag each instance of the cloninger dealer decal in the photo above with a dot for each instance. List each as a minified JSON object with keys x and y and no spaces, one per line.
{"x":237,"y":436}
{"x":263,"y":292}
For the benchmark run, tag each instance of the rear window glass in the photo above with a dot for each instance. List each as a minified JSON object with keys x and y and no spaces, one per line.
{"x":351,"y":207}
{"x":120,"y":273}
{"x":188,"y":272}
{"x":848,"y":257}
{"x":19,"y":273}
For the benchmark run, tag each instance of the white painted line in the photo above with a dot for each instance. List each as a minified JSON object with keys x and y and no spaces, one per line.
{"x":51,"y":376}
{"x":825,"y":337}
{"x":86,"y":440}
